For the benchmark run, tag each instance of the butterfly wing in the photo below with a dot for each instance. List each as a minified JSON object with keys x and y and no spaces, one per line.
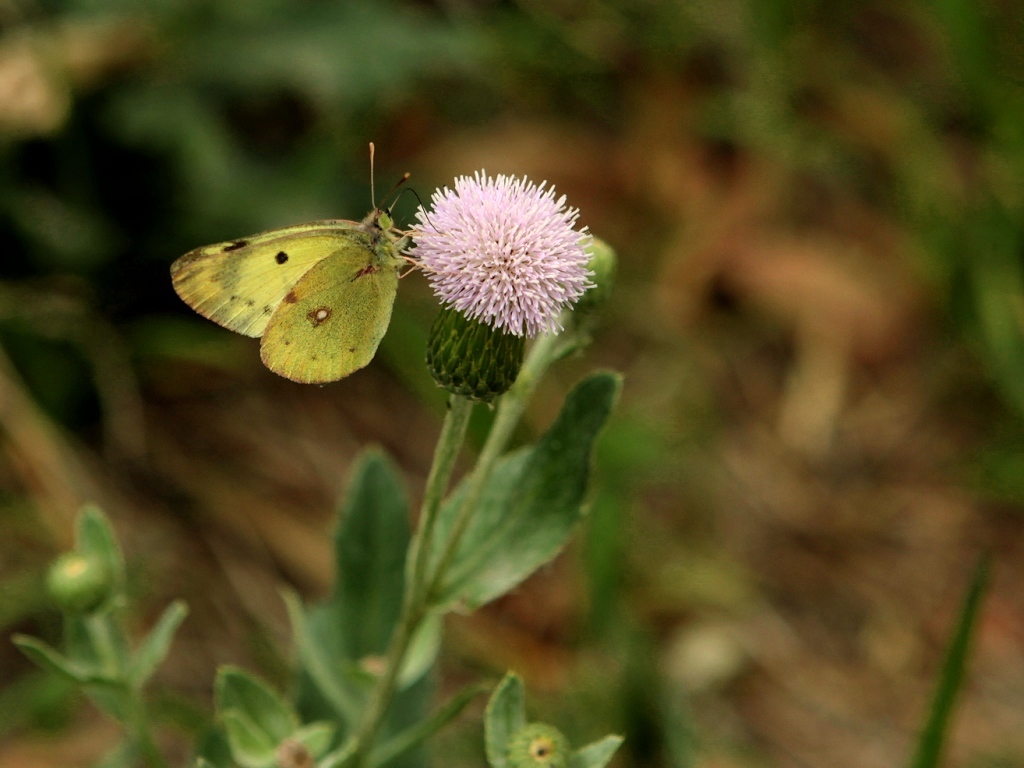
{"x":239,"y":283}
{"x":330,"y":324}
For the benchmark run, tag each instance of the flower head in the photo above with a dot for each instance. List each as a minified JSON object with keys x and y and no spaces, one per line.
{"x":503,"y":251}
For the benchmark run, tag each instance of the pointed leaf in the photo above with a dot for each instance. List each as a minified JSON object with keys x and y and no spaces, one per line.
{"x":531,"y":504}
{"x":51,"y":659}
{"x":596,"y":755}
{"x":154,"y":648}
{"x":96,"y":537}
{"x":933,"y":734}
{"x":251,"y":747}
{"x":505,"y":715}
{"x":250,"y":699}
{"x":370,"y":548}
{"x":417,"y":734}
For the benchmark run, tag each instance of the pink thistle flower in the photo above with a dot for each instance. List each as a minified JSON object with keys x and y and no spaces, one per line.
{"x":503,"y":251}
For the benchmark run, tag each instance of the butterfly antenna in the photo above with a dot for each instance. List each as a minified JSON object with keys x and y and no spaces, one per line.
{"x":405,"y":177}
{"x":419,"y":200}
{"x":373,"y":192}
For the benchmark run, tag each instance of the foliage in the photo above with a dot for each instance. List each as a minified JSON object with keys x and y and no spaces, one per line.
{"x":151,"y":127}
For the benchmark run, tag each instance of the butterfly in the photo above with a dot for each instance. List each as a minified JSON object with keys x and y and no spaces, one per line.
{"x":319,"y":295}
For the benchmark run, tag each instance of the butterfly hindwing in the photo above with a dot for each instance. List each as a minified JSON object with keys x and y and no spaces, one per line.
{"x":332,"y":321}
{"x":240,"y":283}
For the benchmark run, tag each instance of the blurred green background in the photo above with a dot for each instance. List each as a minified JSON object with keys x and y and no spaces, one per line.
{"x":819,"y":212}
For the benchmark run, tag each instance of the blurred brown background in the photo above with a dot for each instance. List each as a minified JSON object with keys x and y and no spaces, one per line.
{"x":819,"y":313}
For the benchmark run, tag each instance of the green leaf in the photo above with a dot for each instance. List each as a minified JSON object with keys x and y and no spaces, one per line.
{"x":49,"y":658}
{"x":355,"y":625}
{"x":95,"y":537}
{"x":505,"y":716}
{"x":933,"y":734}
{"x":417,"y":734}
{"x":251,"y":747}
{"x":422,"y":651}
{"x":322,"y":667}
{"x":213,"y":747}
{"x":339,"y":757}
{"x":370,"y":548}
{"x":246,"y":698}
{"x":596,"y":755}
{"x":337,"y":639}
{"x":315,"y":737}
{"x":154,"y":648}
{"x":532,"y":502}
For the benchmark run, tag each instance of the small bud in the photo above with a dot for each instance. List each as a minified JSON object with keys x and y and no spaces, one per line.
{"x":603,"y":263}
{"x":472,"y":359}
{"x":538,"y":746}
{"x":78,"y":583}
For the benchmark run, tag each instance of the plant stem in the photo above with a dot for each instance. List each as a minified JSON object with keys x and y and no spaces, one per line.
{"x":103,"y":637}
{"x":421,"y":579}
{"x":543,"y":353}
{"x":141,"y":737}
{"x":449,"y":443}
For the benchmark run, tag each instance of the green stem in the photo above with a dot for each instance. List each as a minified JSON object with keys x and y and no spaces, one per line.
{"x":449,"y":443}
{"x":140,"y":734}
{"x":542,"y":354}
{"x":102,"y":635}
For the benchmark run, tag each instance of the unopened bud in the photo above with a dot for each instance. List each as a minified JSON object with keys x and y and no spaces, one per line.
{"x":78,"y":583}
{"x":472,"y":359}
{"x":603,"y":263}
{"x":538,"y":745}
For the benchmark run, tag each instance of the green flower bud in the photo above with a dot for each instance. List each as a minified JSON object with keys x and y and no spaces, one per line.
{"x":538,"y":745}
{"x":603,"y":264}
{"x":78,"y":583}
{"x":472,"y":359}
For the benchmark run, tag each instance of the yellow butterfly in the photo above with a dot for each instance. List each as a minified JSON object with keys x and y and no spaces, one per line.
{"x":319,"y":294}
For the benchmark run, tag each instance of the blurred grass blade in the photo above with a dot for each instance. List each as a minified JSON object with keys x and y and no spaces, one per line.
{"x":933,"y":735}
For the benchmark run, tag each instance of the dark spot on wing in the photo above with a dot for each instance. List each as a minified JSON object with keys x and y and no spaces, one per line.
{"x":352,"y":349}
{"x":281,"y":257}
{"x":319,"y":316}
{"x":287,"y":342}
{"x":250,"y":303}
{"x":234,"y":297}
{"x":369,"y":269}
{"x":267,"y":309}
{"x":312,"y":357}
{"x":236,"y":245}
{"x":291,"y":298}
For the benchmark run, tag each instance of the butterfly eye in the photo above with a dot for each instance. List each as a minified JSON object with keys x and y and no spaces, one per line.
{"x":384,"y":221}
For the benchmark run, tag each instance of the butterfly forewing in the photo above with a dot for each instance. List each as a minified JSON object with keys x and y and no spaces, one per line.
{"x":331,"y":323}
{"x":240,"y":283}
